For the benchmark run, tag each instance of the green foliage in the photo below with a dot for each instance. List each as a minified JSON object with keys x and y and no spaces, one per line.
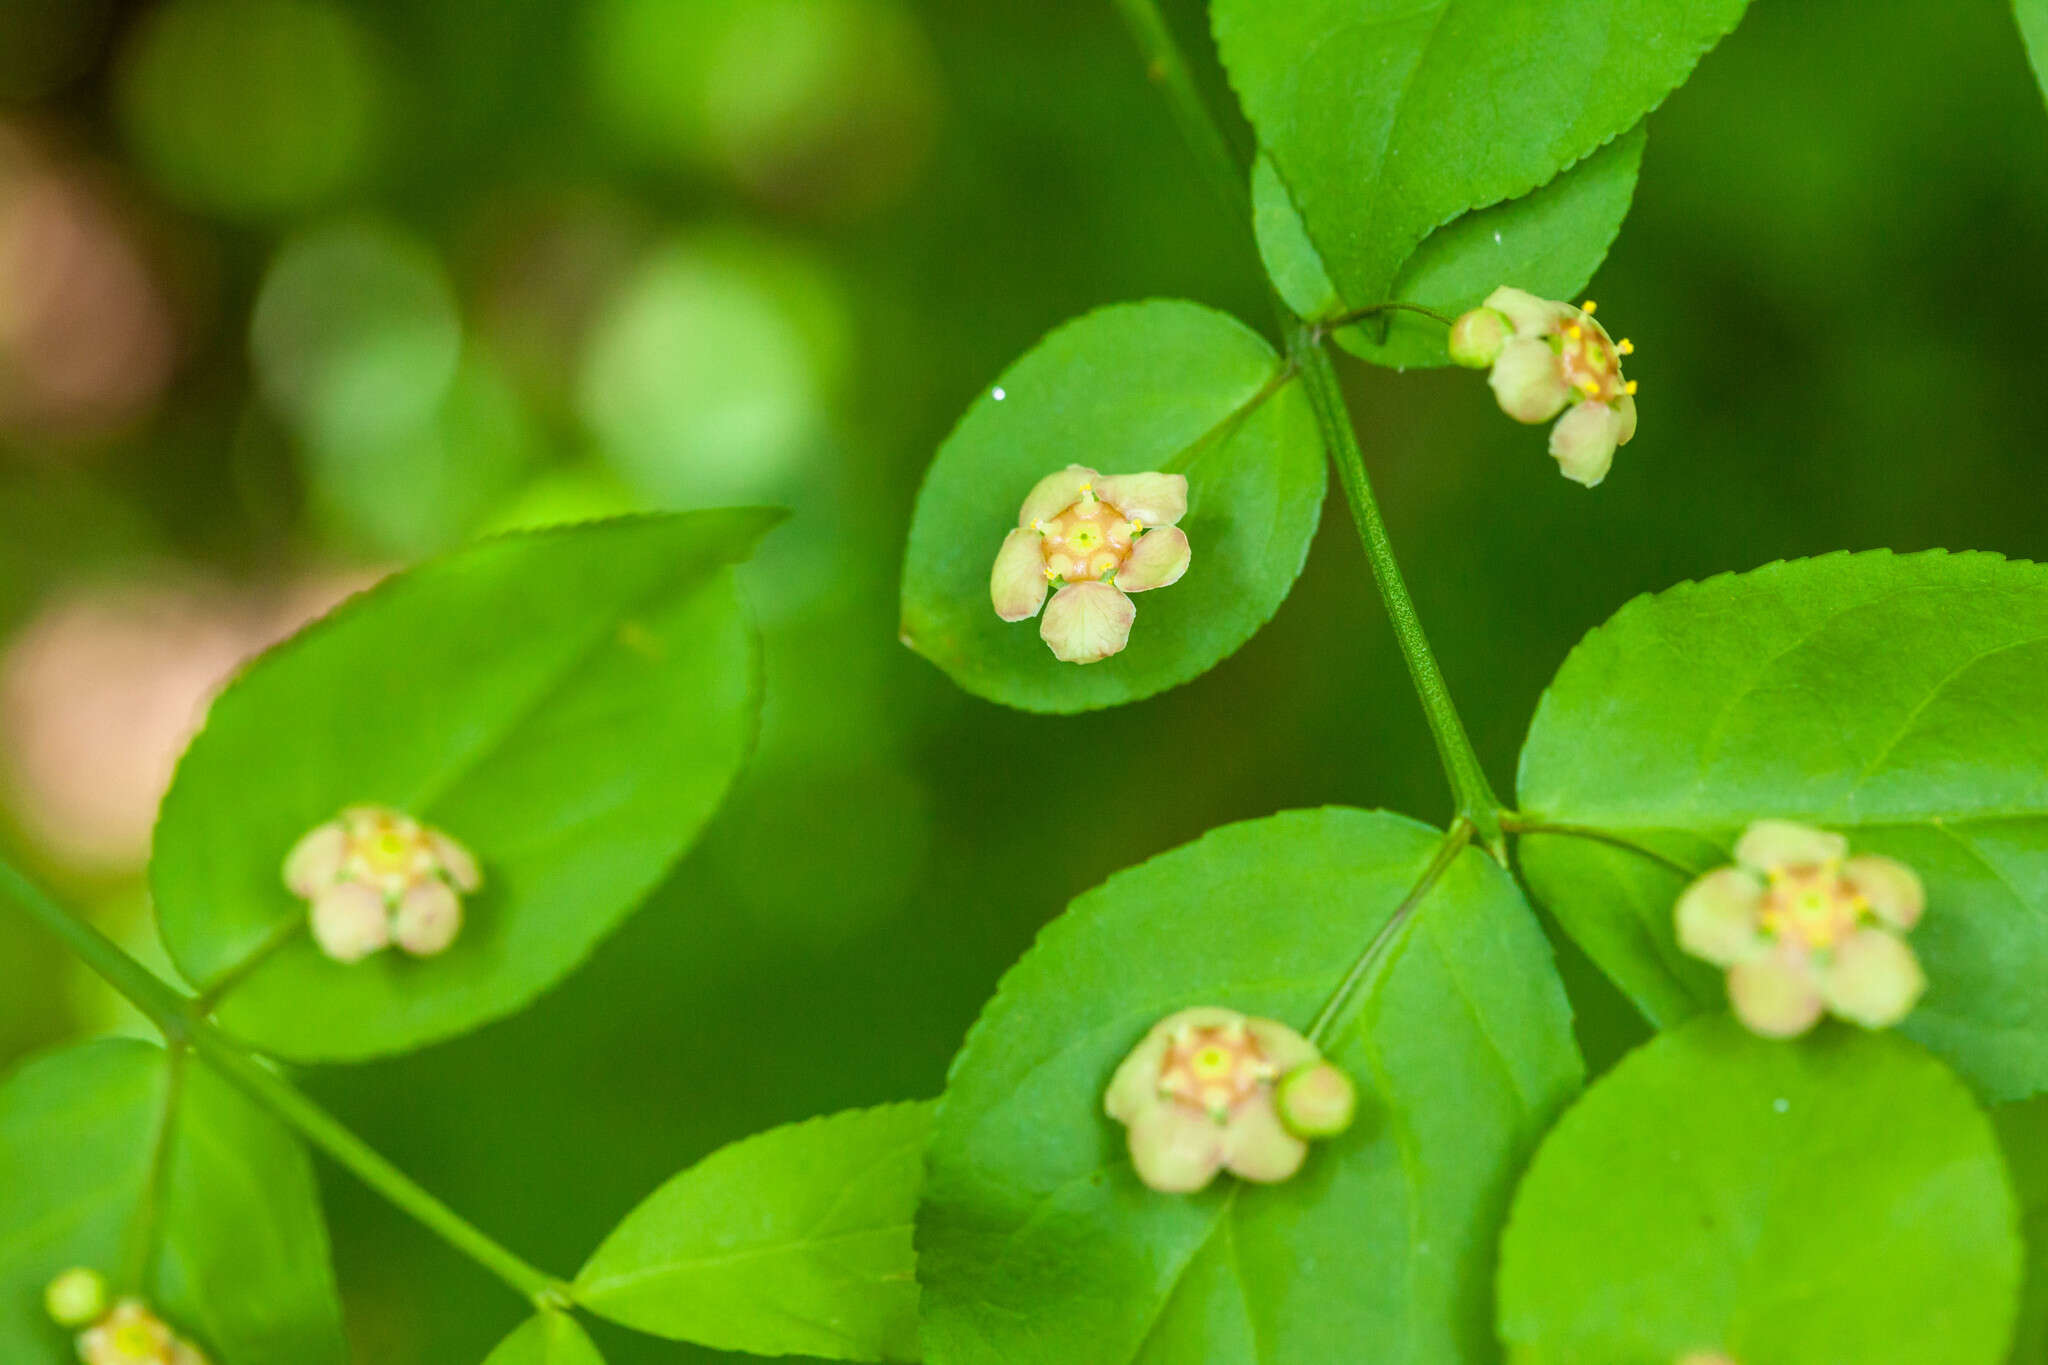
{"x":1037,"y":1243}
{"x":150,"y":1169}
{"x":571,"y":704}
{"x":546,"y":1339}
{"x":1387,"y":120}
{"x":1894,"y":698}
{"x":1831,"y":1202}
{"x":1162,"y":385}
{"x":1549,"y":242}
{"x":794,"y":1241}
{"x":2023,"y":1131}
{"x":2033,"y":20}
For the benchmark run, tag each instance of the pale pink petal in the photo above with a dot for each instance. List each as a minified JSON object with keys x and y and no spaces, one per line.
{"x":1054,"y":493}
{"x":1626,"y":406}
{"x":1786,"y":843}
{"x":1528,"y":381}
{"x":1530,"y":315}
{"x":1017,"y":585}
{"x":1256,"y":1146}
{"x":1717,"y":917}
{"x":316,"y":859}
{"x":1774,"y":997}
{"x":1893,"y":889}
{"x":1174,"y":1151}
{"x":349,"y":922}
{"x":455,"y":860}
{"x":429,"y":916}
{"x":1283,"y":1047}
{"x":1154,"y":499}
{"x":1157,"y":561}
{"x":1087,"y":622}
{"x":1134,"y":1088}
{"x":1583,"y":442}
{"x":1873,"y":980}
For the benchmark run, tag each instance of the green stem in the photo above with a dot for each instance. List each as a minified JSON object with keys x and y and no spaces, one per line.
{"x":1391,"y":305}
{"x":1167,"y":66}
{"x":1470,"y":791}
{"x":1518,"y":825}
{"x":176,"y":1015}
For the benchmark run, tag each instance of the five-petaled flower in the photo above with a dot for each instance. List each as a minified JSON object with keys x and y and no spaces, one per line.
{"x":1210,"y":1089}
{"x":1548,"y":356}
{"x":1095,"y":540}
{"x":1803,"y":928}
{"x":132,"y":1335}
{"x":375,"y":876}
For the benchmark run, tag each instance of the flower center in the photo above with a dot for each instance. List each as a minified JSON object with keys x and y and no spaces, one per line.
{"x":1213,"y":1070}
{"x":1590,"y":360}
{"x":1091,"y":539}
{"x":1812,"y":905}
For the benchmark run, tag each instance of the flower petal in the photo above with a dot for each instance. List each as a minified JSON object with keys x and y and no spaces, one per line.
{"x":316,"y":859}
{"x":1135,"y":1087}
{"x":429,"y":916}
{"x":1786,"y":843}
{"x":1157,"y":561}
{"x":1717,"y":917}
{"x":1175,"y":1151}
{"x":1583,"y":442}
{"x":1016,"y":586}
{"x":1087,"y":622}
{"x":1773,"y":997}
{"x":1055,"y":493}
{"x":1893,"y":889}
{"x":349,"y":922}
{"x":1626,"y":407}
{"x":1531,"y":316}
{"x":1874,"y":979}
{"x":1155,"y":499}
{"x":1257,"y":1146}
{"x":1528,"y":381}
{"x":458,"y":862}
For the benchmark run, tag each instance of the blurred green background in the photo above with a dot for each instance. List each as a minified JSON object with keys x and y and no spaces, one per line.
{"x":294,"y":291}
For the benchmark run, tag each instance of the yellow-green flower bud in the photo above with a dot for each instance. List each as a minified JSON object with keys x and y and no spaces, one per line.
{"x":1477,"y":337}
{"x":1316,"y":1101}
{"x":77,"y":1297}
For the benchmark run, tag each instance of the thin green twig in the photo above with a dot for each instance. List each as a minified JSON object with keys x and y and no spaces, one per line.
{"x":1372,"y":309}
{"x":175,"y":1014}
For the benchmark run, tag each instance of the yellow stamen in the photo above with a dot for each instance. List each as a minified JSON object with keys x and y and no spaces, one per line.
{"x":1573,"y":332}
{"x":1625,"y":346}
{"x":1038,"y":525}
{"x":1050,"y":575}
{"x":1631,"y":388}
{"x":1589,"y":308}
{"x":1137,"y":527}
{"x":1590,"y":385}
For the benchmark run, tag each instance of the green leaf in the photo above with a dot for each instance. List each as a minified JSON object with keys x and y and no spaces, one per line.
{"x":1894,"y":698}
{"x":1036,"y":1241}
{"x":1831,"y":1202}
{"x":1389,"y":118}
{"x":1162,"y":385}
{"x":1549,"y":242}
{"x":546,"y":1339}
{"x":156,"y":1173}
{"x":2033,"y":19}
{"x":794,"y":1241}
{"x":571,"y":704}
{"x":2023,"y":1131}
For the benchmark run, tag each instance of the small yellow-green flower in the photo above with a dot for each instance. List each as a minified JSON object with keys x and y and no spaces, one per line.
{"x":375,"y":876}
{"x":1212,"y":1090}
{"x":132,"y":1335}
{"x":1549,"y":357}
{"x":1093,"y":540}
{"x":1804,"y":929}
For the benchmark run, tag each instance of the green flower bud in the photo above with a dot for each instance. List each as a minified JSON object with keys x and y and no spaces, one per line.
{"x":1316,"y":1100}
{"x":77,"y":1297}
{"x":1477,"y":338}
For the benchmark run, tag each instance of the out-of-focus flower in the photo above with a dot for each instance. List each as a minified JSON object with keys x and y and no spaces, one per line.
{"x":100,"y":691}
{"x":86,"y":334}
{"x":1802,"y":929}
{"x":1548,"y":357}
{"x":76,"y":1297}
{"x":375,"y":876}
{"x":132,"y":1335}
{"x":1198,"y":1095}
{"x":1094,"y":540}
